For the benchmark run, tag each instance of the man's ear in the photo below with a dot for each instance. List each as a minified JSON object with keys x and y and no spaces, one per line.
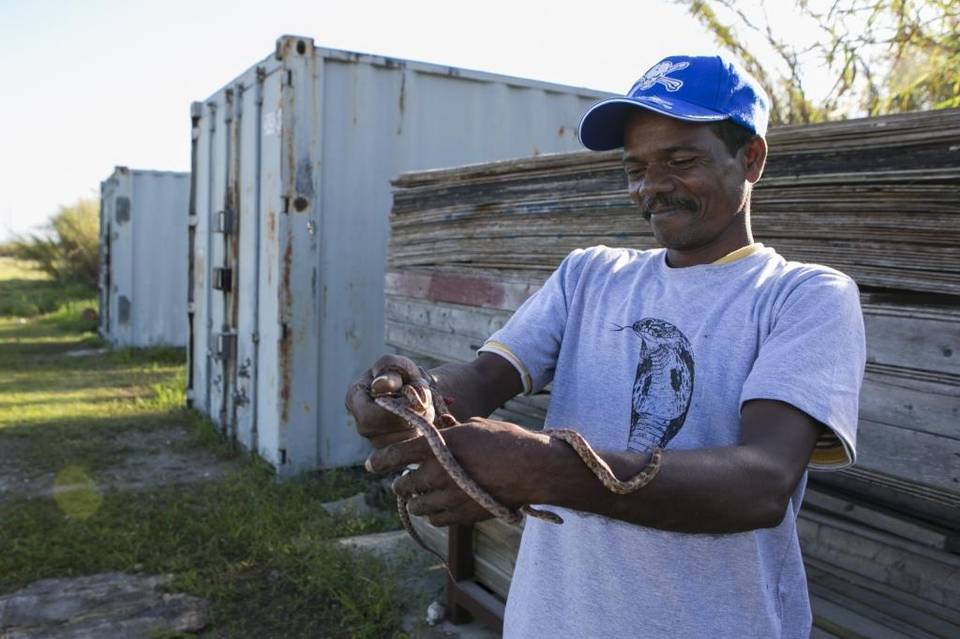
{"x":754,"y":157}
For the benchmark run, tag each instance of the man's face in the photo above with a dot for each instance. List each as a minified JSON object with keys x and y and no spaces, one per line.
{"x":685,"y":182}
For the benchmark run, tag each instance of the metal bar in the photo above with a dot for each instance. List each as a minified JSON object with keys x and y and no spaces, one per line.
{"x":208,"y":302}
{"x":196,"y":112}
{"x":460,"y":560}
{"x":465,"y":597}
{"x":231,"y":316}
{"x":254,"y":382}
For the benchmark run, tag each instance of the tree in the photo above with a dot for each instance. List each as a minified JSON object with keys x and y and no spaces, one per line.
{"x":874,"y":56}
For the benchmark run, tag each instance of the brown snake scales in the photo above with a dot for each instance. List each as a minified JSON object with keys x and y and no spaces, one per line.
{"x":417,"y":406}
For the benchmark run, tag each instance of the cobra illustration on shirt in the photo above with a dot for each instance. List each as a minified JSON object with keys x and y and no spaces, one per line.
{"x":664,"y":384}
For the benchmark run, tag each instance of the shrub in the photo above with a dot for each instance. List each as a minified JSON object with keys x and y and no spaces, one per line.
{"x":67,"y":247}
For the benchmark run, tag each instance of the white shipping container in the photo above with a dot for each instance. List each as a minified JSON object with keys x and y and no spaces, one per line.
{"x":143,"y":258}
{"x":290,"y":218}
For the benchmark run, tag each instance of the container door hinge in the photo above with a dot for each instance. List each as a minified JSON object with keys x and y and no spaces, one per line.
{"x":122,"y":208}
{"x":226,"y":346}
{"x":123,"y":309}
{"x":222,"y":279}
{"x":225,"y":222}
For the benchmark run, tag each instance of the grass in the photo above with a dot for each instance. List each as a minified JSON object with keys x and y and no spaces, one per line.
{"x":26,"y":292}
{"x":260,"y":552}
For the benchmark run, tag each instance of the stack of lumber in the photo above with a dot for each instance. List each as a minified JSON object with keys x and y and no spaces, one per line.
{"x":875,"y":198}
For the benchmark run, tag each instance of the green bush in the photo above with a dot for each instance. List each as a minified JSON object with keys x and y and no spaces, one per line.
{"x":67,"y":247}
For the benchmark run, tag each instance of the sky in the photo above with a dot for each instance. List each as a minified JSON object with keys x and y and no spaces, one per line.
{"x":92,"y":84}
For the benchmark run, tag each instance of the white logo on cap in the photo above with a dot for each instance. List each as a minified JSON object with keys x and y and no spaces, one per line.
{"x":660,"y":74}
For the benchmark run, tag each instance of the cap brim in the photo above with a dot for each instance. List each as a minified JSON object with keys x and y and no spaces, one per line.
{"x":601,"y":127}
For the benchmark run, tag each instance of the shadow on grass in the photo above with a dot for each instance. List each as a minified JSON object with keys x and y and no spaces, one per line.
{"x":95,"y":442}
{"x":143,"y":419}
{"x":70,"y":381}
{"x":54,"y":401}
{"x":23,"y":297}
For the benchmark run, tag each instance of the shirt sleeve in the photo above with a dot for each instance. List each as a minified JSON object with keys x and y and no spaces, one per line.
{"x":531,"y":338}
{"x":813,"y":359}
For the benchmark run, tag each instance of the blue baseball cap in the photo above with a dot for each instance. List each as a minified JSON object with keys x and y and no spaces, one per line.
{"x":691,"y":88}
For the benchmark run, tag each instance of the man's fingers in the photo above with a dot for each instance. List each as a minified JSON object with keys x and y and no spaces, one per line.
{"x":436,"y":502}
{"x":468,"y":512}
{"x":390,"y":372}
{"x":373,"y":422}
{"x":357,"y":394}
{"x":398,"y":456}
{"x":381,"y":427}
{"x":429,"y":477}
{"x":386,"y":382}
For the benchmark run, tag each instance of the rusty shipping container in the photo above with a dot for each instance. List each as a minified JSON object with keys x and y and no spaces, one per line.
{"x":289,"y":221}
{"x":143,"y":258}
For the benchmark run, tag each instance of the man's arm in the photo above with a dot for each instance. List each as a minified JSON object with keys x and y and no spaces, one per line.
{"x":478,"y":388}
{"x":712,"y":490}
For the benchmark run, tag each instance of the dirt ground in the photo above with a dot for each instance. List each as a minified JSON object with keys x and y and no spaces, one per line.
{"x":151,"y":458}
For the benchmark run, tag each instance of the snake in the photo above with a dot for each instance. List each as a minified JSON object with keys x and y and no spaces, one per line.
{"x":421,"y":409}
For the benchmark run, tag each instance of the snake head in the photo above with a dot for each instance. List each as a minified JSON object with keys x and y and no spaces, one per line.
{"x":419,"y":400}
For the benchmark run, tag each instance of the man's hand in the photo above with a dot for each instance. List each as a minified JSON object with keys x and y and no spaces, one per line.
{"x":381,"y":427}
{"x":507,"y":461}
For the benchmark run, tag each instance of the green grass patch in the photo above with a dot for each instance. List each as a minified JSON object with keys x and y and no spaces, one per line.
{"x":258,"y":550}
{"x":261,"y":552}
{"x":27,"y":292}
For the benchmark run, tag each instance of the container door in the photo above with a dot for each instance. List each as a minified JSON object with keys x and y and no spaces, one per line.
{"x":239,"y":209}
{"x":121,"y":259}
{"x":194,"y":280}
{"x":262,"y":338}
{"x":224,"y":309}
{"x":249,"y":213}
{"x":103,"y":277}
{"x":204,"y":117}
{"x":220,"y":276}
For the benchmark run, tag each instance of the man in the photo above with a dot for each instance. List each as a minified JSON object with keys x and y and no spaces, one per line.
{"x":743,"y":367}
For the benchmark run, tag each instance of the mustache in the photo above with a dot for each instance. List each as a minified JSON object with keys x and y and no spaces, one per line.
{"x":649,"y":205}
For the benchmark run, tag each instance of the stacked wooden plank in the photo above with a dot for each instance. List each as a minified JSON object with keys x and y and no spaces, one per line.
{"x":874,"y":198}
{"x":877,"y":199}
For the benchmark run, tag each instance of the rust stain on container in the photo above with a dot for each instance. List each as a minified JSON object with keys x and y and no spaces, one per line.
{"x":286,"y":339}
{"x":401,"y":102}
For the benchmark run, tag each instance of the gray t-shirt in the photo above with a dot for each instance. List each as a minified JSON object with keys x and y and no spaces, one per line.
{"x":639,"y":355}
